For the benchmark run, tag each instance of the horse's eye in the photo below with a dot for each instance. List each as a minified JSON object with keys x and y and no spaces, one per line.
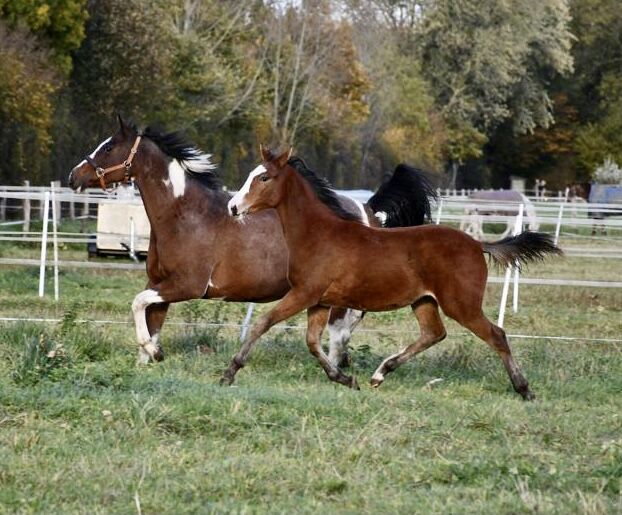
{"x":108,"y":148}
{"x":264,"y":177}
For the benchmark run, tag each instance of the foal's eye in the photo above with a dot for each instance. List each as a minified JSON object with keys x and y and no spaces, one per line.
{"x":108,"y":147}
{"x":264,"y":177}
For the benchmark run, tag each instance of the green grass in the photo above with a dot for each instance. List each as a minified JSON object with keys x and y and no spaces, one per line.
{"x":83,"y":429}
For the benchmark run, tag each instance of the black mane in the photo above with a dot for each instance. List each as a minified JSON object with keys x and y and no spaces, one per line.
{"x":404,"y":198}
{"x":322,"y":189}
{"x":194,"y":161}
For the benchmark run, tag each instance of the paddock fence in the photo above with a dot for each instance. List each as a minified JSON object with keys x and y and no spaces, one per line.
{"x":582,"y":230}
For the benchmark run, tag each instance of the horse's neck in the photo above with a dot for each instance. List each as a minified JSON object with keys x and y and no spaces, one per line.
{"x":304,"y":218}
{"x":163,"y":206}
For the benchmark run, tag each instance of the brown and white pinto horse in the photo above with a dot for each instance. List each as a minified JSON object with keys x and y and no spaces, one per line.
{"x":337,"y":261}
{"x":197,"y":251}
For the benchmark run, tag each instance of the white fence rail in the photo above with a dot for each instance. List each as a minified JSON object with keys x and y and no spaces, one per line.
{"x":454,"y":207}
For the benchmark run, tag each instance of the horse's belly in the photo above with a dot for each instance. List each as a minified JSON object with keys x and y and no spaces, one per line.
{"x":375,"y":294}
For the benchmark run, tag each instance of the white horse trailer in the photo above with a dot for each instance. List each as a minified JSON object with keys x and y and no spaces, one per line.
{"x":122,"y":228}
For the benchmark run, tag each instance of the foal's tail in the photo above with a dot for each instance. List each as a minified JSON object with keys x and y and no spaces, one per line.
{"x":404,"y":199}
{"x":525,"y":248}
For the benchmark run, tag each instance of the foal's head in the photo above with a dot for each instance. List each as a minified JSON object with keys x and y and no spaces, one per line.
{"x":264,"y":186}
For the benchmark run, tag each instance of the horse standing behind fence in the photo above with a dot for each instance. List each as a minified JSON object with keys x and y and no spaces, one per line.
{"x":510,"y":199}
{"x":197,"y":251}
{"x":337,"y":261}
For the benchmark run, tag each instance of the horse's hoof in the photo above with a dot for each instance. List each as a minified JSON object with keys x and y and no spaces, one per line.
{"x":528,"y":396}
{"x":377,"y":379}
{"x":158,"y":355}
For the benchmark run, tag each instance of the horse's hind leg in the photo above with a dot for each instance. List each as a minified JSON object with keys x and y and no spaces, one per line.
{"x":432,"y":331}
{"x":495,"y":337}
{"x":317,"y":317}
{"x":341,"y":324}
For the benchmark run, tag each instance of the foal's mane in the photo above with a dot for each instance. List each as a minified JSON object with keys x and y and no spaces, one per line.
{"x":322,"y":189}
{"x":195,"y":163}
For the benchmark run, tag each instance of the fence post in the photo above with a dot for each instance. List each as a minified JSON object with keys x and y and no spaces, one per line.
{"x":508,"y":273}
{"x":44,"y":241}
{"x":439,"y":212}
{"x":72,"y":208}
{"x":559,"y":216}
{"x":26,"y":226}
{"x":59,"y":210}
{"x":247,"y":320}
{"x":55,"y":211}
{"x":2,"y":204}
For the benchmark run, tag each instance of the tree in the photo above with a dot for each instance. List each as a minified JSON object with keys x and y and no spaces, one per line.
{"x":58,"y":23}
{"x":27,"y":86}
{"x":490,"y":61}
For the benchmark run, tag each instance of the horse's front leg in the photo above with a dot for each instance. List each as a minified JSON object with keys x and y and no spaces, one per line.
{"x":149,"y":309}
{"x":154,"y":316}
{"x":294,"y":302}
{"x":147,"y":301}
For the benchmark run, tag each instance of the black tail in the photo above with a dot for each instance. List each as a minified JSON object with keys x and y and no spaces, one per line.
{"x":404,"y":198}
{"x":524,"y":248}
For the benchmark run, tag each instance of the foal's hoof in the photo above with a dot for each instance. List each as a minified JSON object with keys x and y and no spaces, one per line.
{"x":528,"y":395}
{"x":226,"y":379}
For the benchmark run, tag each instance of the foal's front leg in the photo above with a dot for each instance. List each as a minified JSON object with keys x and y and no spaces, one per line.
{"x":288,"y":306}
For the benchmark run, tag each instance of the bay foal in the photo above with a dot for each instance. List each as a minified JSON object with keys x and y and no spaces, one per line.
{"x":337,"y":261}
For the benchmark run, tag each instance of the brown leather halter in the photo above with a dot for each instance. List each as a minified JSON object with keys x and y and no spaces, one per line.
{"x":127,"y":164}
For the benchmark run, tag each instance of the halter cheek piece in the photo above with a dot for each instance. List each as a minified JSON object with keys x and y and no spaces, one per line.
{"x":127,"y":164}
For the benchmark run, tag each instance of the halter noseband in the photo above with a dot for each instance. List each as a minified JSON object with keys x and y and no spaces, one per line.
{"x":127,"y":164}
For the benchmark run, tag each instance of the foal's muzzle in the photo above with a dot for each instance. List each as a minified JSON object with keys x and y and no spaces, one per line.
{"x":234,"y":210}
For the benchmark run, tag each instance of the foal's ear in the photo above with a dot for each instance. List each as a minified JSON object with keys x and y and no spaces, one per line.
{"x":282,"y":160}
{"x":266,"y":153}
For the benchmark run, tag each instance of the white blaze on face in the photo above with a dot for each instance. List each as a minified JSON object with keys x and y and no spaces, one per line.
{"x":92,"y":154}
{"x":239,"y":199}
{"x":176,"y":178}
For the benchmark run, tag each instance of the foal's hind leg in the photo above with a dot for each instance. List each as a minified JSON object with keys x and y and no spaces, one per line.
{"x":432,"y":331}
{"x":316,"y":321}
{"x":495,"y":337}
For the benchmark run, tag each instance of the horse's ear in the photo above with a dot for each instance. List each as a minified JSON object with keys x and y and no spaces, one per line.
{"x":266,"y":153}
{"x":282,"y":159}
{"x":122,"y":126}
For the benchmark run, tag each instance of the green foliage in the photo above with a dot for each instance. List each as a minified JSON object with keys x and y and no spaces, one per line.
{"x":60,"y":23}
{"x":41,"y":357}
{"x":488,"y":62}
{"x":27,"y":86}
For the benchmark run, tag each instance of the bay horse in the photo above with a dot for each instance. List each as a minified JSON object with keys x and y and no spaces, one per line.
{"x":196,"y":251}
{"x":334,"y":260}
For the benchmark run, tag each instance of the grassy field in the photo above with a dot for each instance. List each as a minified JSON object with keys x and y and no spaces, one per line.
{"x":83,"y":429}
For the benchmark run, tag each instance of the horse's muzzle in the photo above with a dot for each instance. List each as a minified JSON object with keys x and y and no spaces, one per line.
{"x":234,"y":210}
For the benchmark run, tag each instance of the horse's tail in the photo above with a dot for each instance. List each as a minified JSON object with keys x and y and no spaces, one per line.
{"x":525,"y":248}
{"x":404,"y":199}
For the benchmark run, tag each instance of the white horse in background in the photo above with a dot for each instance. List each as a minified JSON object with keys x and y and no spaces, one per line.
{"x":500,"y":203}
